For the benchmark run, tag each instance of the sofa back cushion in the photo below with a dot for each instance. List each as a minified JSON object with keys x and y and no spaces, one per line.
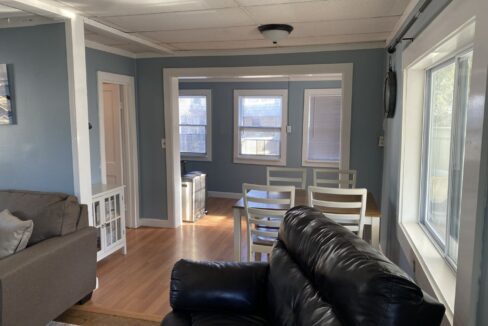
{"x":53,"y":214}
{"x":14,"y":233}
{"x":292,"y":298}
{"x":362,"y":285}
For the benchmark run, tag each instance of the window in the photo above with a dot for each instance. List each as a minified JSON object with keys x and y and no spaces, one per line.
{"x":260,"y":126}
{"x":195,"y":124}
{"x":325,"y":128}
{"x":443,"y":151}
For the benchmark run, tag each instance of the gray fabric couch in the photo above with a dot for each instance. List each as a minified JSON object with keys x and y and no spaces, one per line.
{"x":57,"y":269}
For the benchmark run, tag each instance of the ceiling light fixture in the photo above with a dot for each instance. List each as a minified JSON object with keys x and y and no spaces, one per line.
{"x":275,"y":32}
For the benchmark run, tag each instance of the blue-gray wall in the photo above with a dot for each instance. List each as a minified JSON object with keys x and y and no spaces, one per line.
{"x":106,"y":62}
{"x":391,"y":164}
{"x":364,"y":119}
{"x":35,"y":153}
{"x":368,"y":76}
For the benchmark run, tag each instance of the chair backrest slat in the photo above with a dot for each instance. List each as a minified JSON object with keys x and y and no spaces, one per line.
{"x":344,"y":206}
{"x":277,"y":176}
{"x":334,"y":178}
{"x":265,"y":208}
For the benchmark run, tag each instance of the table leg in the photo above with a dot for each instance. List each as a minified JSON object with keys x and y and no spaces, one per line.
{"x":237,"y":233}
{"x":375,"y":232}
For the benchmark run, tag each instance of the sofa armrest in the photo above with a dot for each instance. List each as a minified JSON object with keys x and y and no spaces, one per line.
{"x":218,"y":286}
{"x":431,"y":311}
{"x":42,"y":281}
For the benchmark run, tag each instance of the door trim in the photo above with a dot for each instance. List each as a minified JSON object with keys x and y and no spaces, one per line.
{"x":130,"y":158}
{"x":171,"y":118}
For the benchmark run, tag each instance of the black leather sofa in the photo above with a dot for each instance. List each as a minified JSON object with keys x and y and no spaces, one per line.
{"x":319,"y":274}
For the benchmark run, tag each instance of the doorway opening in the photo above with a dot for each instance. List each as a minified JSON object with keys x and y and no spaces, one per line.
{"x":171,"y":83}
{"x":118,"y":139}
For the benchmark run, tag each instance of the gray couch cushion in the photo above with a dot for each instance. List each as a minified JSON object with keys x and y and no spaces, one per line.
{"x":53,"y":214}
{"x":14,"y":233}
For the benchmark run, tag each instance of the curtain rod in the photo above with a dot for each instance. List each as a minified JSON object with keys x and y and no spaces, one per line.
{"x":392,"y":47}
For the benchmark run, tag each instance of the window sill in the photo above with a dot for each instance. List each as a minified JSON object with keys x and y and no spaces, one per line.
{"x":436,"y":270}
{"x":196,"y":158}
{"x":269,"y":162}
{"x":320,"y":164}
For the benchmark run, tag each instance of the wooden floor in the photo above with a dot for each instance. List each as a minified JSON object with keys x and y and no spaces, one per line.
{"x":137,"y":285}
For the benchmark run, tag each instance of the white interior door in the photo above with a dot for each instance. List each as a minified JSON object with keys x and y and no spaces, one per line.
{"x":113,"y":133}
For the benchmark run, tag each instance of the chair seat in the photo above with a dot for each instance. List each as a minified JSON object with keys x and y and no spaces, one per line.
{"x":263,"y":241}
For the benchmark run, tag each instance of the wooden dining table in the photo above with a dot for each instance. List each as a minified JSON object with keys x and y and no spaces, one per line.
{"x":372,"y":217}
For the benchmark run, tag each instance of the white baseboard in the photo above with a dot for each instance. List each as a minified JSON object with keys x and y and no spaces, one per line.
{"x":155,"y":223}
{"x":221,"y":194}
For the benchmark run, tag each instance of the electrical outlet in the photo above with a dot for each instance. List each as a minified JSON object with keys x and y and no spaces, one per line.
{"x":288,"y":129}
{"x":381,"y":141}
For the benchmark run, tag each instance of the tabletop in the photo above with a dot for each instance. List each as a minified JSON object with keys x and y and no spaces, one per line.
{"x":372,"y":209}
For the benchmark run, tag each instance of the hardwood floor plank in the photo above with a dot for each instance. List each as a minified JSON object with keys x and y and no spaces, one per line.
{"x":138,"y":284}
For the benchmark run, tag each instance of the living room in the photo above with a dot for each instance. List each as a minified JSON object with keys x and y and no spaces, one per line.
{"x":97,"y":153}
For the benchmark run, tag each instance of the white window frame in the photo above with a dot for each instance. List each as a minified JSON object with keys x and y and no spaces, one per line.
{"x":257,"y":159}
{"x":432,"y":233}
{"x":208,"y":141}
{"x":345,"y":129}
{"x":451,"y":32}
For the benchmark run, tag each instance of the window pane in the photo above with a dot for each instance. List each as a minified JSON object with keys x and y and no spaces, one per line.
{"x":260,"y":142}
{"x":457,"y":156}
{"x":192,"y":139}
{"x":439,"y":149}
{"x":260,"y":111}
{"x":193,"y":110}
{"x":324,"y":128}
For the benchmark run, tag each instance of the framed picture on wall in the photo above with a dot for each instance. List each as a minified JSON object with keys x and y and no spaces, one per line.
{"x":6,"y":110}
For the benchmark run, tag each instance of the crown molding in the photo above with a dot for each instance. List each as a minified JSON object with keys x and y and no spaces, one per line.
{"x":109,"y":49}
{"x":265,"y":79}
{"x":277,"y":50}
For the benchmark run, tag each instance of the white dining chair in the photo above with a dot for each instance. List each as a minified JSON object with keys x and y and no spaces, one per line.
{"x":277,"y":176}
{"x":265,"y":208}
{"x":334,"y":178}
{"x":344,"y":206}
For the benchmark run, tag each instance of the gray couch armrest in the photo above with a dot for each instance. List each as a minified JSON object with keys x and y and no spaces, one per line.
{"x":42,"y":281}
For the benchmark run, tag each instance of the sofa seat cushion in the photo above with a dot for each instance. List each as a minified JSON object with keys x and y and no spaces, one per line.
{"x":213,"y":319}
{"x":53,"y":214}
{"x":223,"y":319}
{"x":14,"y":234}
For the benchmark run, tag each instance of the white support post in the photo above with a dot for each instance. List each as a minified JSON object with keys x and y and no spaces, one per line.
{"x":78,"y":102}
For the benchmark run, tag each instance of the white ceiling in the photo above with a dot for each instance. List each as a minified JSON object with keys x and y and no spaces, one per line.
{"x":199,"y":25}
{"x":187,"y":26}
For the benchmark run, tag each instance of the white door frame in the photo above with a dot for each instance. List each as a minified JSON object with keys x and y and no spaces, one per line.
{"x":170,"y":91}
{"x":130,"y":158}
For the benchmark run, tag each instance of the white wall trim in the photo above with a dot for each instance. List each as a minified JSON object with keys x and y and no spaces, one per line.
{"x":223,"y":194}
{"x":154,"y":223}
{"x":275,"y":50}
{"x":42,"y":8}
{"x":78,"y":102}
{"x":109,"y":49}
{"x":216,"y":53}
{"x":171,"y":119}
{"x":256,"y":79}
{"x":131,"y":159}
